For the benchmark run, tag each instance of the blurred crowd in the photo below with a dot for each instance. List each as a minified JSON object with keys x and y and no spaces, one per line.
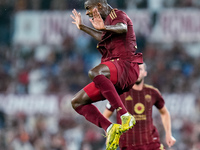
{"x":19,"y":5}
{"x":60,"y":70}
{"x":48,"y":69}
{"x":45,"y":132}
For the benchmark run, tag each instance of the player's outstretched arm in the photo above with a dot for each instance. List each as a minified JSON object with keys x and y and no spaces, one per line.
{"x":98,"y":24}
{"x":78,"y":22}
{"x":166,"y":120}
{"x":77,"y":18}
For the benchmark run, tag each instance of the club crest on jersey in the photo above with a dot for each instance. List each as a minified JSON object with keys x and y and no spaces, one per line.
{"x":139,"y":108}
{"x":148,"y":98}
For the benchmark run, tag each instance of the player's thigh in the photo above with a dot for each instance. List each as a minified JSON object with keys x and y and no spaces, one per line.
{"x":108,"y":69}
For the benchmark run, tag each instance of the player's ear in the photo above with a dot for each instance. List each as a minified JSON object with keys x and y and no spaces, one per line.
{"x":145,"y":74}
{"x":99,"y":5}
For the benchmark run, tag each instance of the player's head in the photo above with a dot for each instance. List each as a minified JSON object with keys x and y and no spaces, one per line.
{"x":143,"y":73}
{"x":101,"y":5}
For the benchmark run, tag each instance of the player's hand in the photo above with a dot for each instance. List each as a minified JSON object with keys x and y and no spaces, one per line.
{"x":77,"y":18}
{"x":97,"y":21}
{"x":170,"y":140}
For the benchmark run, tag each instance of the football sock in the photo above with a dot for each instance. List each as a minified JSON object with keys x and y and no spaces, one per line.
{"x":109,"y":92}
{"x":92,"y":114}
{"x":109,"y":128}
{"x":126,"y":114}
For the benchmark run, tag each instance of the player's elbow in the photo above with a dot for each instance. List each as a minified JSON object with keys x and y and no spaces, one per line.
{"x":75,"y":103}
{"x":123,"y":29}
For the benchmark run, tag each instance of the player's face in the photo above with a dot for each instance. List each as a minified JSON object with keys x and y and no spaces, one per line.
{"x":89,"y":6}
{"x":143,"y":73}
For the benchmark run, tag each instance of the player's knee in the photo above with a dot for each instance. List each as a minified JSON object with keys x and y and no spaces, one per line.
{"x":75,"y":103}
{"x":92,"y":74}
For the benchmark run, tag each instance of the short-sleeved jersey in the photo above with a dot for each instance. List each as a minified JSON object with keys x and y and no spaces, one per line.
{"x":140,"y":105}
{"x":123,"y":45}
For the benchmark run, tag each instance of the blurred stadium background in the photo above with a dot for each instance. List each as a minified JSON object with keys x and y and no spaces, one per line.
{"x":45,"y":60}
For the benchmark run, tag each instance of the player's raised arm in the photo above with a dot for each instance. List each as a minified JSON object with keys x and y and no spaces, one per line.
{"x":78,"y":22}
{"x":98,"y":24}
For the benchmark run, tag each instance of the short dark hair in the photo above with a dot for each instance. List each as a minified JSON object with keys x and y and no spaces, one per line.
{"x":99,"y":1}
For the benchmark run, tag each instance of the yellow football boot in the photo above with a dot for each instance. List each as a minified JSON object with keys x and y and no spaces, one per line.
{"x":113,"y":137}
{"x":127,"y":122}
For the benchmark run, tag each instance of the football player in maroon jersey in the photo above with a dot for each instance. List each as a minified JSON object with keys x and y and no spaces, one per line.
{"x":117,"y":71}
{"x":139,"y":101}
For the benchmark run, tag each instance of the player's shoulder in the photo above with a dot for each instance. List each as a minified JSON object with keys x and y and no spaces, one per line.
{"x":118,"y":12}
{"x":120,"y":16}
{"x":151,"y":87}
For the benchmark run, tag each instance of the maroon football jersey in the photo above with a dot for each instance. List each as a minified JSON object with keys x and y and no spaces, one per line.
{"x":140,"y":105}
{"x":119,"y":45}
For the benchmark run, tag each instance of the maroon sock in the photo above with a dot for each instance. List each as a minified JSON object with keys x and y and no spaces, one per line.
{"x":109,"y":92}
{"x":92,"y":114}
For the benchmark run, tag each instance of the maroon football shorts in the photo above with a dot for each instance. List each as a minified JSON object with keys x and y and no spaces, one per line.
{"x":123,"y":75}
{"x":151,"y":146}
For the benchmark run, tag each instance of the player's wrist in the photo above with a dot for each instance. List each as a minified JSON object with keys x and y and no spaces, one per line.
{"x":168,"y":135}
{"x":81,"y":26}
{"x":103,"y":28}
